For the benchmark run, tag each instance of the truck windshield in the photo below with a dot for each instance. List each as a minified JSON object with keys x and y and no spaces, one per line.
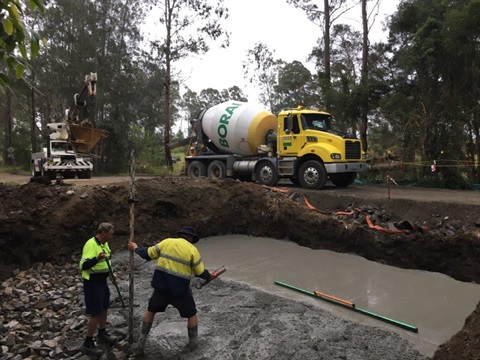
{"x":61,"y":146}
{"x":317,"y":122}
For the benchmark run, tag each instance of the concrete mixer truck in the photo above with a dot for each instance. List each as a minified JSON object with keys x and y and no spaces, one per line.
{"x":244,"y":141}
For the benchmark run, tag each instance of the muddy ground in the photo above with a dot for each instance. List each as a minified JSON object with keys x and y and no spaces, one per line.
{"x":52,"y":222}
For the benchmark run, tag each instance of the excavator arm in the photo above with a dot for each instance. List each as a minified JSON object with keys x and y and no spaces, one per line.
{"x":81,"y":133}
{"x":80,"y":100}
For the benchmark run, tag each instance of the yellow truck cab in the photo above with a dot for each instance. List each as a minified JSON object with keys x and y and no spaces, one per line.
{"x":310,"y":152}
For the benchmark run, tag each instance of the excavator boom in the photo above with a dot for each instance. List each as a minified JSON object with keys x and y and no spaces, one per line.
{"x":80,"y":100}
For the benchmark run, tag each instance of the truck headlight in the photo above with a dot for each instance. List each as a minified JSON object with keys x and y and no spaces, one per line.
{"x":336,"y":156}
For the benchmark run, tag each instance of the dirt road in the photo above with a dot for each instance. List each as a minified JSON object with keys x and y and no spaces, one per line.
{"x":360,"y":191}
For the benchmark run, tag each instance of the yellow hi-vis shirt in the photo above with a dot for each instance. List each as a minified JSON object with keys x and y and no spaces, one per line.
{"x":91,"y":249}
{"x":178,"y":257}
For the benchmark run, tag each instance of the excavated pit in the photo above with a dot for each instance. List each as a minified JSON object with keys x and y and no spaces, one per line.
{"x":42,"y":223}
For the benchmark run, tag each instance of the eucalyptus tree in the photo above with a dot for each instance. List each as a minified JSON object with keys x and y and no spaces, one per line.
{"x":324,"y":16}
{"x":261,"y":68}
{"x":149,"y":85}
{"x":209,"y":97}
{"x":295,"y":87}
{"x":364,"y":102}
{"x":346,"y":50}
{"x":193,"y":104}
{"x":436,"y":47}
{"x":233,"y":93}
{"x":187,"y":25}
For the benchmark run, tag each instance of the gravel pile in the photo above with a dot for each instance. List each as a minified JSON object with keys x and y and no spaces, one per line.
{"x":42,"y":315}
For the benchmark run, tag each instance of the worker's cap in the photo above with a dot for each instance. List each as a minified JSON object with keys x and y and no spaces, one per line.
{"x":188,"y":230}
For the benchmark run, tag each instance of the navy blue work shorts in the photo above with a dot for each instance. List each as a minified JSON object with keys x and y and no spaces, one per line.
{"x":184,"y":303}
{"x":97,"y":296}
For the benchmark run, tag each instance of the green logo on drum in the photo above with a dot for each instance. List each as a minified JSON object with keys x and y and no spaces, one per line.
{"x":224,"y":120}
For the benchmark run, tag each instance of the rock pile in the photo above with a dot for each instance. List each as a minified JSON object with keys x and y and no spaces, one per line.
{"x":42,"y":315}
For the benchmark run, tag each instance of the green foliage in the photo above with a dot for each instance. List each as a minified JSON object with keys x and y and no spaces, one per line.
{"x":262,"y":69}
{"x":295,"y":87}
{"x":189,"y":24}
{"x":148,"y":146}
{"x":343,"y":90}
{"x":233,"y":93}
{"x":316,"y":14}
{"x":17,"y":44}
{"x":435,"y":82}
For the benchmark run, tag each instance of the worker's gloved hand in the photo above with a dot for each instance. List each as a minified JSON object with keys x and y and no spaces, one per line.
{"x":101,"y":256}
{"x":213,"y":275}
{"x":132,"y":246}
{"x":114,"y":277}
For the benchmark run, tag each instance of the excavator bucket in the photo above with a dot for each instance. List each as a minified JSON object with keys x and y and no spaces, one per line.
{"x":84,"y":138}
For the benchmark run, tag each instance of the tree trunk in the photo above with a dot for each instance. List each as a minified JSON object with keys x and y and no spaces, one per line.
{"x":33,"y":137}
{"x":168,"y":83}
{"x":476,"y":130}
{"x":8,"y":125}
{"x":326,"y":38}
{"x":364,"y":80}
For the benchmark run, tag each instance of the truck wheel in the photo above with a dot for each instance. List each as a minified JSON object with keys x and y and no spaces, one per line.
{"x":266,"y":173}
{"x":196,"y":169}
{"x":217,"y":170}
{"x":343,"y":179}
{"x":88,"y":174}
{"x":312,"y":175}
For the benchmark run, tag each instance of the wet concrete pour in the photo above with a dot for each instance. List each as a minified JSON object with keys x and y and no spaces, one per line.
{"x":244,"y":315}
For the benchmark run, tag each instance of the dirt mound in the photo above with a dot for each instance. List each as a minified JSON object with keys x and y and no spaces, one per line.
{"x":51,"y":223}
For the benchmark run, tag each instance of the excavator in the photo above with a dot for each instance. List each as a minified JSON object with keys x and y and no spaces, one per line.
{"x":72,"y":142}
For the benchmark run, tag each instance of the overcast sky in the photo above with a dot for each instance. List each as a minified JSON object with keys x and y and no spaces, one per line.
{"x":282,"y":27}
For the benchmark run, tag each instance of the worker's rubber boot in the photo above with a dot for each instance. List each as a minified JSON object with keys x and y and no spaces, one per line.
{"x":140,"y":346}
{"x":89,"y":348}
{"x":192,"y":338}
{"x":106,"y":339}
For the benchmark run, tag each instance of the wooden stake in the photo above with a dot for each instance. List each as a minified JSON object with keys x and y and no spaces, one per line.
{"x":132,"y":202}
